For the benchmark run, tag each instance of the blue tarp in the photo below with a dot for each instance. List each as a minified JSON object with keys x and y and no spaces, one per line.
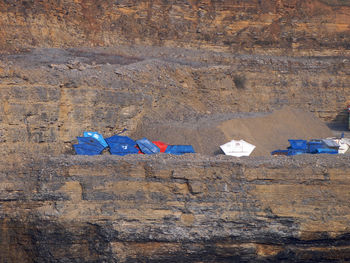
{"x":97,"y":136}
{"x":296,"y":151}
{"x":179,"y":149}
{"x":88,"y":146}
{"x":122,"y":149}
{"x":321,"y":146}
{"x":121,"y":145}
{"x":120,"y":139}
{"x":298,"y":144}
{"x":313,"y":146}
{"x":326,"y":150}
{"x":147,"y":147}
{"x":82,"y":149}
{"x":302,"y":146}
{"x":93,"y":143}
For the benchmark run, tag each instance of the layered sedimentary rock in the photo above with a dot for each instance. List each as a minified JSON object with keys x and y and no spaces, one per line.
{"x":174,"y":209}
{"x":306,"y":27}
{"x":50,"y":96}
{"x":178,"y":61}
{"x":166,"y":60}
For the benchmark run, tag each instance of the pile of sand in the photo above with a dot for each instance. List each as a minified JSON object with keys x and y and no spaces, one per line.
{"x":268,"y":132}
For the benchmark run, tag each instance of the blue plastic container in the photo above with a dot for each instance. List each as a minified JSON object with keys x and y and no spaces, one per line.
{"x":298,"y":144}
{"x":179,"y":149}
{"x":147,"y":147}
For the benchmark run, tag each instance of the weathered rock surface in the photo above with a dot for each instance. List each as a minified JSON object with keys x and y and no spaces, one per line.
{"x":69,"y":66}
{"x":305,"y":27}
{"x":175,"y":209}
{"x":50,"y":96}
{"x":165,"y":61}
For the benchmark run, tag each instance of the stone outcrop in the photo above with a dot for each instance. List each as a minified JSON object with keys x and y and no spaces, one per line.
{"x":68,"y":66}
{"x":174,"y":209}
{"x":270,"y":26}
{"x":161,"y":60}
{"x":50,"y":96}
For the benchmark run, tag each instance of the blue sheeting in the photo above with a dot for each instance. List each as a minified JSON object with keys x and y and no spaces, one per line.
{"x":88,"y":146}
{"x":120,"y":139}
{"x":326,"y":150}
{"x":179,"y":149}
{"x":93,"y":143}
{"x":82,"y":149}
{"x":121,"y":145}
{"x":122,"y":149}
{"x":313,"y":146}
{"x":97,"y":136}
{"x":298,"y":144}
{"x":302,"y":146}
{"x":147,"y":147}
{"x":296,"y":152}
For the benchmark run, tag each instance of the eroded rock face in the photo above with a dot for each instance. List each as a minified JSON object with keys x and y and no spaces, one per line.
{"x":177,"y":209}
{"x":167,"y":61}
{"x":307,"y":27}
{"x":50,"y":96}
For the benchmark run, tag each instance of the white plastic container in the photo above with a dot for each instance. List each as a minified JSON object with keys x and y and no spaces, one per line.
{"x":237,"y":148}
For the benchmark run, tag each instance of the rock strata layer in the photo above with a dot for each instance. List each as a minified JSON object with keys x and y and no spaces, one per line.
{"x":50,"y":96}
{"x":304,"y":27}
{"x":175,"y":209}
{"x":70,"y":66}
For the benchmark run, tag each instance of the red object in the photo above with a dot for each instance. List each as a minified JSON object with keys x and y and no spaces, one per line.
{"x":349,"y":107}
{"x":161,"y":145}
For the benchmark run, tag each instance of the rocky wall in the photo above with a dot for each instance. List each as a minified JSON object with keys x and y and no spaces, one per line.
{"x":163,"y":61}
{"x":168,"y":61}
{"x":174,"y":209}
{"x":317,"y":27}
{"x":48,"y":97}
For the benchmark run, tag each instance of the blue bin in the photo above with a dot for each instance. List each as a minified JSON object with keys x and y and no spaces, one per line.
{"x":147,"y":147}
{"x":179,"y":149}
{"x":298,"y":144}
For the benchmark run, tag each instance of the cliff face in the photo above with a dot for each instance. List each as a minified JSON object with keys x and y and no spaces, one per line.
{"x":164,"y":61}
{"x":300,"y":27}
{"x":174,"y":209}
{"x":70,"y":66}
{"x":50,"y":96}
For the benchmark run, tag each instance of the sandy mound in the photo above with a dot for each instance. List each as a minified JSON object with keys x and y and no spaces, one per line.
{"x":272,"y":132}
{"x":268,"y":132}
